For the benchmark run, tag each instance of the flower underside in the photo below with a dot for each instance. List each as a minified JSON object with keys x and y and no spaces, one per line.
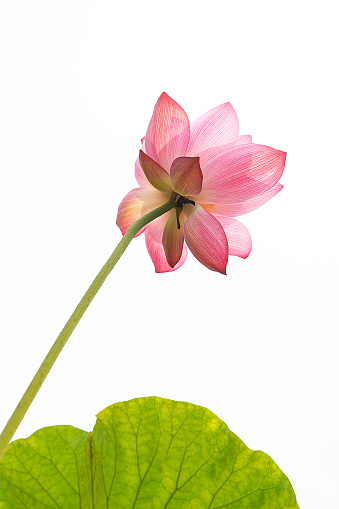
{"x":211,"y":174}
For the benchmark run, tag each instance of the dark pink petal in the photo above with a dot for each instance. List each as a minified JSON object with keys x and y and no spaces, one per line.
{"x":238,"y":209}
{"x":172,"y":239}
{"x":155,"y":248}
{"x":155,"y":174}
{"x":206,"y":238}
{"x":245,"y":138}
{"x":136,"y":204}
{"x":168,"y":132}
{"x":241,"y":173}
{"x":213,"y":132}
{"x":238,"y":237}
{"x":186,"y":176}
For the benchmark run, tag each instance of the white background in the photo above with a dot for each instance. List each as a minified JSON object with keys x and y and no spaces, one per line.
{"x":258,"y":347}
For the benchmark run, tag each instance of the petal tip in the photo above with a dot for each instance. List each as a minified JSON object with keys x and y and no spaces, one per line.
{"x":142,"y":156}
{"x":223,"y":271}
{"x":165,"y":97}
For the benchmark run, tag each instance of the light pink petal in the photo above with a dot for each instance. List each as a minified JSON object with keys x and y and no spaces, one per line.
{"x":136,"y":204}
{"x":173,"y":239}
{"x":155,"y":174}
{"x":186,"y":176}
{"x":244,"y":139}
{"x":238,"y":237}
{"x":168,"y":132}
{"x":238,"y":209}
{"x":139,"y":174}
{"x":213,"y":132}
{"x":155,"y":248}
{"x":206,"y":238}
{"x":241,"y":173}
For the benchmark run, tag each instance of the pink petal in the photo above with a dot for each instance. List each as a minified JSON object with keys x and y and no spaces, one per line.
{"x":238,"y":209}
{"x":173,"y":239}
{"x":139,"y":174}
{"x":136,"y":204}
{"x":245,"y":138}
{"x":206,"y":238}
{"x":153,"y":237}
{"x":167,"y":135}
{"x":155,"y":174}
{"x":186,"y":176}
{"x":241,"y":173}
{"x":213,"y":132}
{"x":238,"y":237}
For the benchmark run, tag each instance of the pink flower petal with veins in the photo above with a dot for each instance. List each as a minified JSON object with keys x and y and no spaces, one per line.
{"x":238,"y":237}
{"x":155,"y":174}
{"x":238,"y":209}
{"x":155,"y":248}
{"x":172,"y":239}
{"x":244,"y":139}
{"x":214,"y":131}
{"x":136,"y":204}
{"x":241,"y":173}
{"x":186,"y":176}
{"x":168,"y":132}
{"x":206,"y":238}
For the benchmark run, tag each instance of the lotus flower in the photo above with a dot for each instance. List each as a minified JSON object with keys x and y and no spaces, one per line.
{"x":211,"y":174}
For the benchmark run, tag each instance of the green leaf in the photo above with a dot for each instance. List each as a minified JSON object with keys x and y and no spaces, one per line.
{"x":148,"y":453}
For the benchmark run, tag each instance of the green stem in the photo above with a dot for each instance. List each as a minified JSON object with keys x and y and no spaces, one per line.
{"x":61,"y":340}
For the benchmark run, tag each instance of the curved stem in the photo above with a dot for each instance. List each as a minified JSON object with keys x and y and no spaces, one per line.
{"x":61,"y":340}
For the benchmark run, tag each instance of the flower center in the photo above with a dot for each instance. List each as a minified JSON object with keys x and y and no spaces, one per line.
{"x":179,"y":204}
